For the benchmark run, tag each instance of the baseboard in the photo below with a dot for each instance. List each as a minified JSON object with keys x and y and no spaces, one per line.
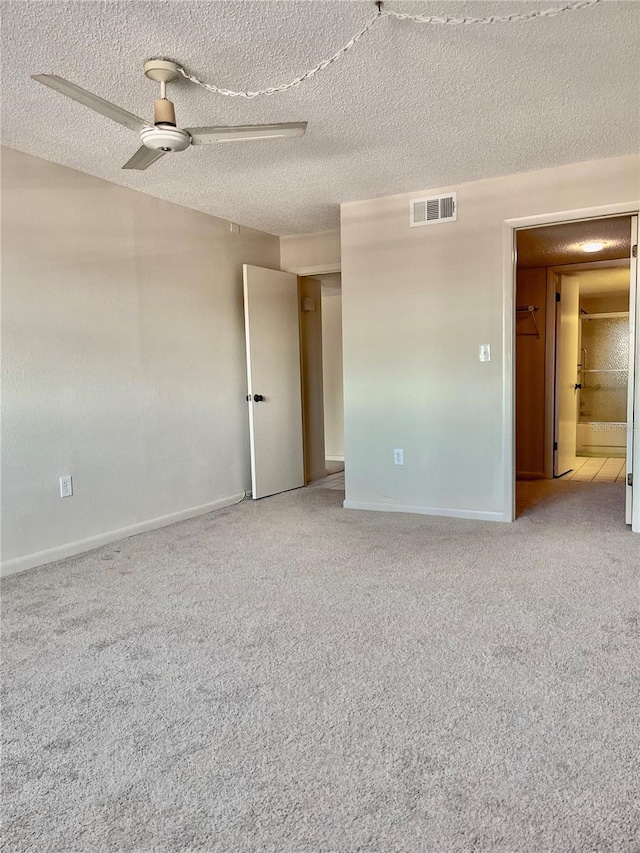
{"x":71,"y":549}
{"x":615,"y":451}
{"x":334,"y":458}
{"x":475,"y":514}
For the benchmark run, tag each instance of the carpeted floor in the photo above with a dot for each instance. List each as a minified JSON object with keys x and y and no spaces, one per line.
{"x":291,"y":677}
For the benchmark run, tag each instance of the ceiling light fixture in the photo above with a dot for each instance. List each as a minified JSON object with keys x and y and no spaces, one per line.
{"x":596,"y":246}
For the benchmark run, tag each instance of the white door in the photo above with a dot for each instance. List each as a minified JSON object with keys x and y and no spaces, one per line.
{"x":633,"y":506}
{"x":273,"y":376}
{"x":567,"y":344}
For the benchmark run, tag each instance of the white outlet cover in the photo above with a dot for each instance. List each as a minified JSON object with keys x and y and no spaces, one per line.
{"x":66,"y":486}
{"x":484,"y":352}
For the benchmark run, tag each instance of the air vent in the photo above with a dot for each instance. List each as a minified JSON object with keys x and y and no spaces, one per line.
{"x":437,"y":208}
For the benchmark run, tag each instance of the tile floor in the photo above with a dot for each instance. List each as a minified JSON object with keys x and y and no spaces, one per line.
{"x":596,"y":469}
{"x":586,"y":469}
{"x":333,"y":481}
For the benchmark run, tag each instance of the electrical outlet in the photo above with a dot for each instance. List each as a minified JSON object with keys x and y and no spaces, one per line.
{"x":398,"y":457}
{"x":66,"y":486}
{"x":484,"y":352}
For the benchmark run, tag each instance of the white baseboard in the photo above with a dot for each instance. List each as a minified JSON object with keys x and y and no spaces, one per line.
{"x":475,"y":514}
{"x":334,"y":458}
{"x":71,"y":549}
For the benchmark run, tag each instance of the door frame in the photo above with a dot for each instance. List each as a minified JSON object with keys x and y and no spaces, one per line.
{"x":553,"y":274}
{"x":509,"y":267}
{"x":315,"y":269}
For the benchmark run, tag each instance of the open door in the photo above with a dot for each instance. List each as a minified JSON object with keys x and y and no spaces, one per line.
{"x":273,"y":377}
{"x":566,"y":404}
{"x":633,"y":506}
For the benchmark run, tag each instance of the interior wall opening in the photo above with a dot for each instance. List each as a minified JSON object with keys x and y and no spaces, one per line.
{"x":322,"y":378}
{"x":572,"y":353}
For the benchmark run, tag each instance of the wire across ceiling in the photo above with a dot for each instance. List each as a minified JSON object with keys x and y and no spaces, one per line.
{"x":382,"y":14}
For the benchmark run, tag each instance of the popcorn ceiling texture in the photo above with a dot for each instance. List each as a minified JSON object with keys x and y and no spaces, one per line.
{"x":410,"y":106}
{"x":560,"y":244}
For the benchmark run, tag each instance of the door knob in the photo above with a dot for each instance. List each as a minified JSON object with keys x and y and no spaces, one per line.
{"x":258,"y":398}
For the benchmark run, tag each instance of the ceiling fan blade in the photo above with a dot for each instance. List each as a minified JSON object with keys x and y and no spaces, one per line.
{"x":207,"y":135}
{"x":92,"y":101}
{"x":143,"y":158}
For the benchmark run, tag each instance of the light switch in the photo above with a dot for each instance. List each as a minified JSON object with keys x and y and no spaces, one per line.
{"x":484,"y":352}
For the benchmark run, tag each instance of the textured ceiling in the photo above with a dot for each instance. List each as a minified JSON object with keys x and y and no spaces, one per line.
{"x":410,"y":106}
{"x":560,"y":244}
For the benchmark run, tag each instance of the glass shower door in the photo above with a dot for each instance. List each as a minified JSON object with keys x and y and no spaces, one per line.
{"x":604,"y":377}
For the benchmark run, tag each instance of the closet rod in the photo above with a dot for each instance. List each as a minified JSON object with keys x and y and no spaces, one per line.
{"x":531,"y":310}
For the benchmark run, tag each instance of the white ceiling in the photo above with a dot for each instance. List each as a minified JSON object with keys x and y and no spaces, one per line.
{"x":411,"y":106}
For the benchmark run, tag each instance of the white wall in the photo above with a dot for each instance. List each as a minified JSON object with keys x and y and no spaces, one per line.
{"x":417,"y":302}
{"x":332,"y":373}
{"x":307,"y":253}
{"x":123,"y":360}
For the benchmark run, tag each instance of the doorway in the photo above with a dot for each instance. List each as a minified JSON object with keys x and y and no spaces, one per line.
{"x":293,"y":330}
{"x":322,"y":379}
{"x":574,"y":354}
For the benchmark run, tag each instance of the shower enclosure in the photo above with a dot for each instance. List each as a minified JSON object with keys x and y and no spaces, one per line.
{"x":603,"y":378}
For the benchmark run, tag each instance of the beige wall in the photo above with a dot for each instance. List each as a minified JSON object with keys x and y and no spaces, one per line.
{"x":332,"y":373}
{"x":123,"y":360}
{"x":417,"y":302}
{"x":304,"y":253}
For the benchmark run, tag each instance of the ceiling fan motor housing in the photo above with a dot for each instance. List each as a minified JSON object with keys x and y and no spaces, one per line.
{"x":165,"y":138}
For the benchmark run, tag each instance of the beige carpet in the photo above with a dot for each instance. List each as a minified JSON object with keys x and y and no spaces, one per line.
{"x":292,"y":677}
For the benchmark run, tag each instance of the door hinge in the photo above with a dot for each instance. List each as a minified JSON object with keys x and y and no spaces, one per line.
{"x":629,"y":479}
{"x":557,"y":297}
{"x":634,"y":251}
{"x":555,"y":445}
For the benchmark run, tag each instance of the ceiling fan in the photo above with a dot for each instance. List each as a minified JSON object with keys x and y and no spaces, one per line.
{"x":162,"y":136}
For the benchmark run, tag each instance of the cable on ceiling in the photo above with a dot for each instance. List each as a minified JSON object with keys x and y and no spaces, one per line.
{"x":401,"y":16}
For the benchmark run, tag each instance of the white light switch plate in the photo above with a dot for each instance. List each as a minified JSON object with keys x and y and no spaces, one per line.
{"x":484,"y":352}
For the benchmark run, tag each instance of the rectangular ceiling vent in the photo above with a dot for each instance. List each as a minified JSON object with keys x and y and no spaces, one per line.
{"x":437,"y":208}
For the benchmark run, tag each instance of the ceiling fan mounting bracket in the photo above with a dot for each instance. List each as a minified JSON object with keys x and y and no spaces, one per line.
{"x":161,"y":70}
